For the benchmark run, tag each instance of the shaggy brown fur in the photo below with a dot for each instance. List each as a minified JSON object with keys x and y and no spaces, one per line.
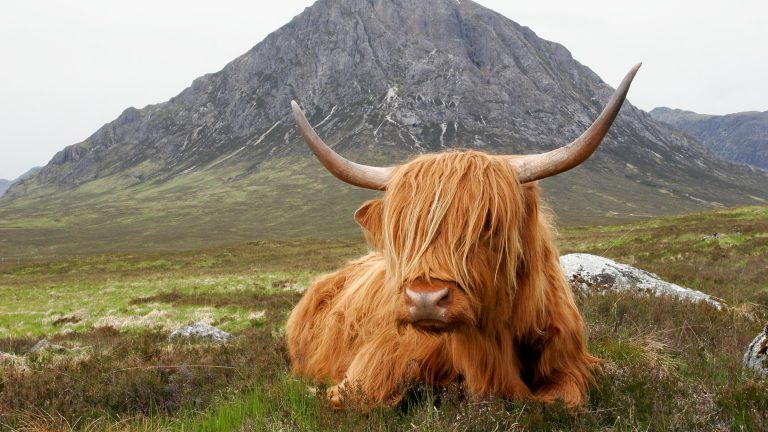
{"x":514,"y":330}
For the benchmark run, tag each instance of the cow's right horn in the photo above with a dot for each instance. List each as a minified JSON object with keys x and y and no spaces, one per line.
{"x":364,"y":176}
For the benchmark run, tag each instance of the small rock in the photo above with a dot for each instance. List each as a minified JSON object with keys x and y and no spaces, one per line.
{"x":46,"y":345}
{"x":756,"y":357}
{"x":586,"y":271}
{"x":200,"y":331}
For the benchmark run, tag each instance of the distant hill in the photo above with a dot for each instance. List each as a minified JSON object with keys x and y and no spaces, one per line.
{"x":6,"y":184}
{"x":740,"y":137}
{"x":382,"y":81}
{"x":32,"y":171}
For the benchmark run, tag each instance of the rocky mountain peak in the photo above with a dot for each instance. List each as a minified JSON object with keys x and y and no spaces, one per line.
{"x":384,"y":79}
{"x":420,"y":75}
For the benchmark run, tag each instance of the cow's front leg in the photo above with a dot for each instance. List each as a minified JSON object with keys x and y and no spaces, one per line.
{"x":563,"y":388}
{"x":563,"y":369}
{"x":500,"y":381}
{"x":334,"y":394}
{"x":384,"y":368}
{"x":374,"y":377}
{"x":489,"y":369}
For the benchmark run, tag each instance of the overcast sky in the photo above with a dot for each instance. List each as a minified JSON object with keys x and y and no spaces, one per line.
{"x":68,"y":67}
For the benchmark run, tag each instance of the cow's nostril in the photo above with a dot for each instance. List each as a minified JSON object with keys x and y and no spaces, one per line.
{"x":445,"y":300}
{"x":411,"y":297}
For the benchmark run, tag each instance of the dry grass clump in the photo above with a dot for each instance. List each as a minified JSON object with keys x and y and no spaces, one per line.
{"x":248,"y":299}
{"x":155,"y":318}
{"x":673,"y":364}
{"x":12,"y":362}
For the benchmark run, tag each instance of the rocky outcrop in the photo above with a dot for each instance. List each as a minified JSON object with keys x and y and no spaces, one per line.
{"x":4,"y":185}
{"x":45,"y":345}
{"x":740,"y":137}
{"x":756,"y":357}
{"x":592,"y":272}
{"x":200,"y":332}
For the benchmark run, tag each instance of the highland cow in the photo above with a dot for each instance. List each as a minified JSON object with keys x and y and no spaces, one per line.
{"x":463,"y":280}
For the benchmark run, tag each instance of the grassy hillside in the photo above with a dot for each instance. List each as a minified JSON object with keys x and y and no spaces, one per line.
{"x":287,"y":198}
{"x":669,"y":365}
{"x":202,"y":208}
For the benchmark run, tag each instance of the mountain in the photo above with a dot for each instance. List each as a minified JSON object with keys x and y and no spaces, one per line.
{"x":381,"y":80}
{"x":29,"y":173}
{"x":6,"y":184}
{"x":740,"y":137}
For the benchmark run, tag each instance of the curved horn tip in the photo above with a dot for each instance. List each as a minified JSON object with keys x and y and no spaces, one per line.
{"x":298,"y":115}
{"x":623,"y":87}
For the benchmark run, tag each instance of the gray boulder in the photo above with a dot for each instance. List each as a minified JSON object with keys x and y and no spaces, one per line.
{"x":200,"y":331}
{"x":756,"y":357}
{"x":46,"y":345}
{"x":589,"y":272}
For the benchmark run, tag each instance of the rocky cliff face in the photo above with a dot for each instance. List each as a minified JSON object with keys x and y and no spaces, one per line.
{"x":740,"y":137}
{"x":383,"y":79}
{"x":4,"y":185}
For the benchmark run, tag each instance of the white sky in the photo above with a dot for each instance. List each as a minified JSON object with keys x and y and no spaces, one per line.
{"x":68,"y":67}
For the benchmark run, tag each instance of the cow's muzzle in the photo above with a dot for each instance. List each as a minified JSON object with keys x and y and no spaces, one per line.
{"x":427,"y":305}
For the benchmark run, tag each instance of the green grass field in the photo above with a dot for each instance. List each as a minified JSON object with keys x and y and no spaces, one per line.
{"x":669,"y":365}
{"x":289,"y":197}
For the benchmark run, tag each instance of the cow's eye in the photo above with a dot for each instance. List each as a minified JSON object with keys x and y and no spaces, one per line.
{"x":488,"y":223}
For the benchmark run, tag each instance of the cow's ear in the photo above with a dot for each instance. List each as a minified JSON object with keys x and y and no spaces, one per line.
{"x":369,"y":217}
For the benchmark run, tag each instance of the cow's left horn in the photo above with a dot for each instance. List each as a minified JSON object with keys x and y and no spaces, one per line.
{"x":364,"y":176}
{"x":535,"y":167}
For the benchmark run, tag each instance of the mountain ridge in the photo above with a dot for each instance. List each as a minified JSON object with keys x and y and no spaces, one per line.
{"x":6,"y":184}
{"x":740,"y":137}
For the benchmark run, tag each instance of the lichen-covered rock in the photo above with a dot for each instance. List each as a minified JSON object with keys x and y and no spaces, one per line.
{"x":589,"y":272}
{"x":756,"y":357}
{"x":200,"y":331}
{"x":46,"y":345}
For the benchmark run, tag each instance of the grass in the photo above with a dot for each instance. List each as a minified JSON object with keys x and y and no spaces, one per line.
{"x":292,"y":196}
{"x":669,"y":365}
{"x":203,"y":208}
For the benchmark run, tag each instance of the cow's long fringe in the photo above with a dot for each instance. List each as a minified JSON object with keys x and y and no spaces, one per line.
{"x":459,"y":216}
